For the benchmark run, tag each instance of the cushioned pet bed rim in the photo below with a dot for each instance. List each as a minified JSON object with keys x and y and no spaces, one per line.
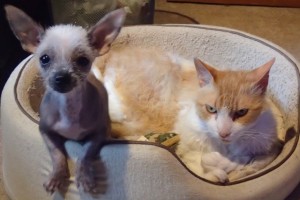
{"x":290,"y":132}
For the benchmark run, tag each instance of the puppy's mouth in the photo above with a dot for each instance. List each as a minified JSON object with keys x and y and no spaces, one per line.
{"x":62,"y":88}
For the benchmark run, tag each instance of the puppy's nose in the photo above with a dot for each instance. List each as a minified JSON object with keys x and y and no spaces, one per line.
{"x":62,"y":78}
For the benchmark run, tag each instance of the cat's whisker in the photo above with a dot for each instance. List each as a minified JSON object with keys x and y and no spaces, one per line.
{"x":257,"y":131}
{"x":253,"y":136}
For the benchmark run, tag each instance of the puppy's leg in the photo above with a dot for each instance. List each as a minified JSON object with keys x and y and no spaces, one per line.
{"x":60,"y":173}
{"x":90,"y":167}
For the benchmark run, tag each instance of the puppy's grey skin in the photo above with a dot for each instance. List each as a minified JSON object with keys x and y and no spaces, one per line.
{"x":75,"y":105}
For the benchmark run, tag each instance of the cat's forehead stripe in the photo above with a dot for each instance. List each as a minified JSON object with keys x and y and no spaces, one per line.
{"x":226,"y":101}
{"x":232,"y":86}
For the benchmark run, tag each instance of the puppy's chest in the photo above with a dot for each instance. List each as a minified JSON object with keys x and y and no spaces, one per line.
{"x":68,"y":124}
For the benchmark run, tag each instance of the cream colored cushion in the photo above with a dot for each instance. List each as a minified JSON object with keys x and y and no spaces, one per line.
{"x":139,"y":170}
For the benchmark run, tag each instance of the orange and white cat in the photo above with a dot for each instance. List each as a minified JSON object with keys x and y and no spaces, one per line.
{"x":229,"y":129}
{"x":224,"y":119}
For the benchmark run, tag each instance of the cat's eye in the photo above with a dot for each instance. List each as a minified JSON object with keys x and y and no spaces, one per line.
{"x":82,"y":61}
{"x":45,"y":60}
{"x":241,"y":112}
{"x":210,"y":109}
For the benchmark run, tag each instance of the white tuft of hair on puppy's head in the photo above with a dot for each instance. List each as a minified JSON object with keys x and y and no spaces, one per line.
{"x":65,"y":52}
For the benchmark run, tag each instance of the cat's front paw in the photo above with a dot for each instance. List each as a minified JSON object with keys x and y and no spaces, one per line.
{"x":218,"y":176}
{"x":211,"y":159}
{"x":90,"y":176}
{"x":212,"y":163}
{"x":56,"y":181}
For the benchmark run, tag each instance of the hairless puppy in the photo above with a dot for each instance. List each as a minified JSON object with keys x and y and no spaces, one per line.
{"x":75,"y":104}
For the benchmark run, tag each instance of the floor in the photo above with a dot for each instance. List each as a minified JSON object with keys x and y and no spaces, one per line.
{"x":279,"y":25}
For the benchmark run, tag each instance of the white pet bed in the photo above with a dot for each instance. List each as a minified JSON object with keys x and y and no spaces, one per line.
{"x":140,"y":170}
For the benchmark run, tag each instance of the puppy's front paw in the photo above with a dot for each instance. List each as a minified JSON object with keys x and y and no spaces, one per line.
{"x":56,"y":181}
{"x":89,"y":175}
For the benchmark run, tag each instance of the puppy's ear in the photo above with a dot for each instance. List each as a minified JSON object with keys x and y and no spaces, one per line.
{"x":106,"y":30}
{"x":25,"y":29}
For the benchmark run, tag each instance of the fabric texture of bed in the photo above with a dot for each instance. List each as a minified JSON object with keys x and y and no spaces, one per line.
{"x":141,"y":170}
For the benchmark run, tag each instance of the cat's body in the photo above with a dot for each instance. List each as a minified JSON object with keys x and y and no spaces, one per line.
{"x":154,"y":91}
{"x":143,"y":87}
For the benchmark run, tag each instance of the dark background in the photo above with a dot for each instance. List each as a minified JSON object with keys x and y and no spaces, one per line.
{"x":11,"y":52}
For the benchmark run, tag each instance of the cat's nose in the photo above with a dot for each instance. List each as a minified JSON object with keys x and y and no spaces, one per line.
{"x":224,"y":134}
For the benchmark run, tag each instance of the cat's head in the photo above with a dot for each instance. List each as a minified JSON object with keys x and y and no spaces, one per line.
{"x":230,"y":100}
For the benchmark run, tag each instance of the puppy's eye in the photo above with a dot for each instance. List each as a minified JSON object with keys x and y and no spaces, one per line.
{"x":45,"y":59}
{"x":241,"y":112}
{"x":210,"y":109}
{"x":82,"y":61}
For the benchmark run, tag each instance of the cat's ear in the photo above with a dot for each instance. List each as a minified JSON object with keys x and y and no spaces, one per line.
{"x":106,"y":30}
{"x":25,"y":29}
{"x":260,"y":75}
{"x":205,"y":72}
